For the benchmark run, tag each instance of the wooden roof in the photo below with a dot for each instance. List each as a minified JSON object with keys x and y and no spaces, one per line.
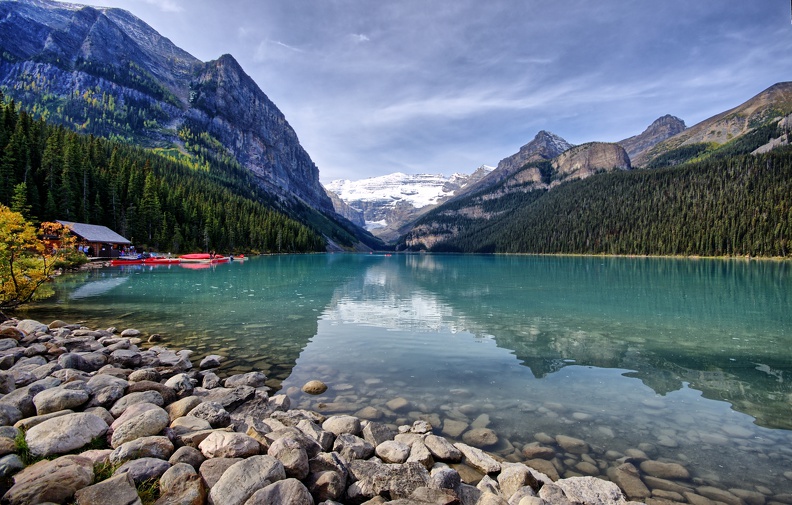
{"x":95,"y":233}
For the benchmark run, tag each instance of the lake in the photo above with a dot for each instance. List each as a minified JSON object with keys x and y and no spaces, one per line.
{"x":687,"y":360}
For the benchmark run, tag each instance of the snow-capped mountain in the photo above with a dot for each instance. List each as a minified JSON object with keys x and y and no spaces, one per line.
{"x":388,"y":202}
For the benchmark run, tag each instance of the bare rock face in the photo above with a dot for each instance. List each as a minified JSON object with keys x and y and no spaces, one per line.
{"x":661,"y":129}
{"x":588,"y":159}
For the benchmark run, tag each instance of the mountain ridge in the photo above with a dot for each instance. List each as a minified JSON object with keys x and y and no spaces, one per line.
{"x":103,"y":71}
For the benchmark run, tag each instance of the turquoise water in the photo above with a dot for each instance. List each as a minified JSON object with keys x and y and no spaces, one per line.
{"x":690,"y":360}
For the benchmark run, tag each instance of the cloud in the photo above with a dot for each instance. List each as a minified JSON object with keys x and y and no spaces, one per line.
{"x":166,"y":5}
{"x":360,"y":37}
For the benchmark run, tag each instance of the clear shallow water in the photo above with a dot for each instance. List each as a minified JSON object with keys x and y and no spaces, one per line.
{"x":691,"y":358}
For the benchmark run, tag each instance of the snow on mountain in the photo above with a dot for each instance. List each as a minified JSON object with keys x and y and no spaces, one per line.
{"x":389,"y":200}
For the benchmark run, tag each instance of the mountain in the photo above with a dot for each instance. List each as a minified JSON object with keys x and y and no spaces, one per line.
{"x":766,"y":108}
{"x":718,"y":188}
{"x":661,"y":129}
{"x":466,"y":213}
{"x":544,"y":146}
{"x":387,"y":203}
{"x":105,"y":72}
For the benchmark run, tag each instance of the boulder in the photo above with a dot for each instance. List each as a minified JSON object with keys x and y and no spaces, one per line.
{"x":147,"y":424}
{"x":572,"y":445}
{"x":181,"y":384}
{"x":50,"y":481}
{"x":352,"y":447}
{"x":314,"y":387}
{"x":213,"y":412}
{"x":122,"y":404}
{"x":338,"y":425}
{"x":292,"y":456}
{"x":480,"y":437}
{"x":144,"y":447}
{"x":591,"y":490}
{"x":238,"y":483}
{"x":211,"y":361}
{"x":56,"y":399}
{"x":290,"y":491}
{"x":64,"y":434}
{"x":187,"y":490}
{"x":189,"y":455}
{"x":117,"y":490}
{"x":442,"y":449}
{"x":478,"y":459}
{"x":391,"y":451}
{"x":252,"y":379}
{"x":224,"y":444}
{"x":664,"y":470}
{"x":181,"y":407}
{"x":143,"y":469}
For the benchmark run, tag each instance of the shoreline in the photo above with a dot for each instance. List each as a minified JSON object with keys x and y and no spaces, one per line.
{"x":62,"y":376}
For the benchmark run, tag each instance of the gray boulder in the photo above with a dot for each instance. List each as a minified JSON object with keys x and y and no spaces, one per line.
{"x":56,"y":399}
{"x":244,"y":478}
{"x":53,"y":481}
{"x":144,"y":469}
{"x":117,"y":490}
{"x":290,"y":491}
{"x":64,"y":434}
{"x":147,"y":424}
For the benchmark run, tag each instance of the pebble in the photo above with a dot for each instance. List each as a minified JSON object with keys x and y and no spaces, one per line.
{"x":238,"y":445}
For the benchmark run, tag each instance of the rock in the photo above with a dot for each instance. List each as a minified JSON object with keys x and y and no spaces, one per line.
{"x":213,"y":412}
{"x":252,"y":379}
{"x":121,"y":405}
{"x":551,"y":493}
{"x":147,"y":424}
{"x":338,"y":425}
{"x":241,"y":480}
{"x":130,"y":333}
{"x":181,"y":384}
{"x":544,"y":467}
{"x":181,"y":407}
{"x":211,"y":380}
{"x":351,"y":447}
{"x":514,"y":477}
{"x":117,"y":490}
{"x":719,"y":495}
{"x":442,"y":449}
{"x":211,"y":361}
{"x":398,"y":404}
{"x":591,"y":490}
{"x":188,"y":424}
{"x":292,"y":456}
{"x":664,"y":470}
{"x":223,"y":444}
{"x":212,"y":469}
{"x":478,"y":459}
{"x":174,"y":474}
{"x":143,"y":469}
{"x":7,"y":383}
{"x":572,"y":445}
{"x":392,"y":452}
{"x":30,"y":326}
{"x":290,"y":491}
{"x":167,"y":393}
{"x":444,"y":478}
{"x":480,"y":437}
{"x":56,"y":399}
{"x":126,"y":358}
{"x":538,"y":452}
{"x":144,"y":374}
{"x":9,"y":465}
{"x":454,"y":428}
{"x":9,"y":415}
{"x":144,"y":447}
{"x":189,"y":455}
{"x":29,"y":422}
{"x":376,"y":433}
{"x":132,"y":411}
{"x":628,"y":479}
{"x":322,"y":437}
{"x":64,"y":434}
{"x":397,"y":480}
{"x":314,"y":387}
{"x":421,"y":427}
{"x":230,"y":398}
{"x":325,"y":485}
{"x":50,"y":481}
{"x":187,"y":490}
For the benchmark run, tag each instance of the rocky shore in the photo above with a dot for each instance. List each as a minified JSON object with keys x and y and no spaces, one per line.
{"x":107,"y":417}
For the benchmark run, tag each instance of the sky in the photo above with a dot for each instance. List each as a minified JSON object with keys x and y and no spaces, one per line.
{"x":374,"y":87}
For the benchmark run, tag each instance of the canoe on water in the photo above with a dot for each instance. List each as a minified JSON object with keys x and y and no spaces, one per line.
{"x":119,"y":261}
{"x":161,"y":261}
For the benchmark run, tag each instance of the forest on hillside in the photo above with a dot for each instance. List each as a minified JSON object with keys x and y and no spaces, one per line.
{"x":167,"y":200}
{"x":727,"y":205}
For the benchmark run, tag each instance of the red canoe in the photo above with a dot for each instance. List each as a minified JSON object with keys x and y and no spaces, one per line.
{"x":161,"y":261}
{"x":117,"y":262}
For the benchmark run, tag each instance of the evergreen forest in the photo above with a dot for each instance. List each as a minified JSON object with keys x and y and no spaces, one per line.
{"x":725,"y":205}
{"x":166,"y":200}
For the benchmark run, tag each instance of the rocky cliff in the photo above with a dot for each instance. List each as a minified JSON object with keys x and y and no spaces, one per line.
{"x":661,"y":129}
{"x":104,"y":71}
{"x":588,"y":159}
